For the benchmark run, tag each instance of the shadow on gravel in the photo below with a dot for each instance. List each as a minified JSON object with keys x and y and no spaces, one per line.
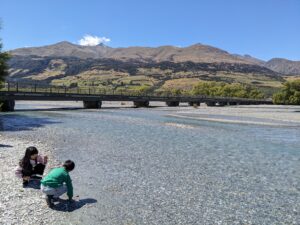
{"x":5,"y":146}
{"x":34,"y":184}
{"x":66,"y":206}
{"x":15,"y":122}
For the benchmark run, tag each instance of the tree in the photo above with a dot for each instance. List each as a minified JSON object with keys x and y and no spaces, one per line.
{"x":289,"y":93}
{"x":4,"y":57}
{"x":141,"y":90}
{"x":3,"y":66}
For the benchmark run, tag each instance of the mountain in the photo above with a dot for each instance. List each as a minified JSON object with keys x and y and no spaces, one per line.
{"x":64,"y":49}
{"x":284,"y":66}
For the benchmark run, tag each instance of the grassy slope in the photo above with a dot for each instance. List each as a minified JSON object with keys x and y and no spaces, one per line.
{"x":112,"y":75}
{"x":163,"y":80}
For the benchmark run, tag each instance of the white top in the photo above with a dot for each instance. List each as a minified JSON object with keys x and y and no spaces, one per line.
{"x":32,"y":162}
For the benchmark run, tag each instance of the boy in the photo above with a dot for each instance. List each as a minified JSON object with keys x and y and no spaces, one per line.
{"x":58,"y":182}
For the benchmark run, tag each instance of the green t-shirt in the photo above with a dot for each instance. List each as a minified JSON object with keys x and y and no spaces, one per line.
{"x":57,"y":177}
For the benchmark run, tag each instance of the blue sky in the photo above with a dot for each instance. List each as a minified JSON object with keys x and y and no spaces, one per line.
{"x":261,"y":28}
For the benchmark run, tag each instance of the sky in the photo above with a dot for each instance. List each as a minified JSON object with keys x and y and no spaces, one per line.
{"x":261,"y":28}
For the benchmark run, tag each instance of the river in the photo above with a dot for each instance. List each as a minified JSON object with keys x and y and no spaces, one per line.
{"x":220,"y":165}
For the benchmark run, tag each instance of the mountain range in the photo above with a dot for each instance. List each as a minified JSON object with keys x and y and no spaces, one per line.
{"x":162,"y":67}
{"x":197,"y":53}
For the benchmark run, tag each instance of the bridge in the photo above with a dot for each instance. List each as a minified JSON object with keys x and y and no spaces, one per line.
{"x":92,"y":97}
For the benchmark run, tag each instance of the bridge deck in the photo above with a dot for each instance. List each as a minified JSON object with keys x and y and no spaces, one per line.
{"x":46,"y":96}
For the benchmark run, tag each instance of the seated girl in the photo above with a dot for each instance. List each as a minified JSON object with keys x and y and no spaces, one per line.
{"x":31,"y":165}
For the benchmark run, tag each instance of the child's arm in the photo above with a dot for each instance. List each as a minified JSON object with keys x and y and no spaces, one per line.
{"x":18,"y":172}
{"x":42,"y":159}
{"x":69,"y":187}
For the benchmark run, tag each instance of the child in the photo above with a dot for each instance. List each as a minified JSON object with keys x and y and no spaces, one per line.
{"x":58,"y":182}
{"x":30,"y":165}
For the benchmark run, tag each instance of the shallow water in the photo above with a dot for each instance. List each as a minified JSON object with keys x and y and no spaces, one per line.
{"x":144,"y":166}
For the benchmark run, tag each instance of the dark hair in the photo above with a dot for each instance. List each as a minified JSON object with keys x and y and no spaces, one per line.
{"x":69,"y":165}
{"x":25,"y":161}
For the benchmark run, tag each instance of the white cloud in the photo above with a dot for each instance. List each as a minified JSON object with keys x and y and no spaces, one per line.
{"x":89,"y":40}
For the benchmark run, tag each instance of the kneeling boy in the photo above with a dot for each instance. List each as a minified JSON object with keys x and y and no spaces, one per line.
{"x":58,"y":182}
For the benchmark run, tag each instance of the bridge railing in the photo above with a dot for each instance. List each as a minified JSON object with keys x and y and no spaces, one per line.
{"x":46,"y":88}
{"x":39,"y":87}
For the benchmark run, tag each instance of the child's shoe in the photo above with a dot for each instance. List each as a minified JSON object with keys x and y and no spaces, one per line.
{"x":56,"y":199}
{"x":49,"y":201}
{"x":25,"y":183}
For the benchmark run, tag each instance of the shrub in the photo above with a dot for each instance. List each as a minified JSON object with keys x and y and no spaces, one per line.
{"x":289,"y":94}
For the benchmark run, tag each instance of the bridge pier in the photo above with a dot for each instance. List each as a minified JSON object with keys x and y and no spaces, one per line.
{"x":210,"y":103}
{"x":172,"y":104}
{"x":141,"y":104}
{"x":245,"y":103}
{"x":8,"y":106}
{"x":222,"y":103}
{"x":194,"y":103}
{"x":92,"y":104}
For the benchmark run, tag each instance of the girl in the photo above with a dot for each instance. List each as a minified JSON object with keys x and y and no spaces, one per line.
{"x":31,"y":165}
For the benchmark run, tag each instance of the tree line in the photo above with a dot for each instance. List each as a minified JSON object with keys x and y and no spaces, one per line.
{"x":223,"y":89}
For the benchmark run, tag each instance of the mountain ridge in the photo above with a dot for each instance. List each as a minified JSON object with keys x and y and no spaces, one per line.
{"x":197,"y":53}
